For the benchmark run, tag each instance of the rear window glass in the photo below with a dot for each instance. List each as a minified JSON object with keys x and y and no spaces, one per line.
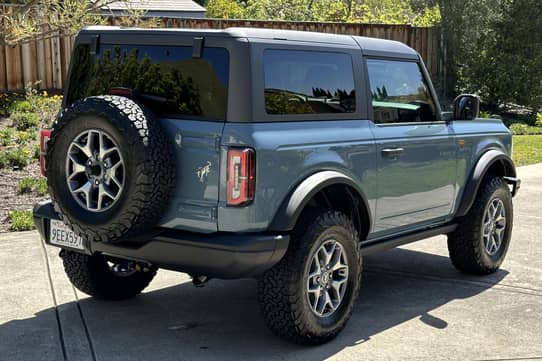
{"x":308,"y":82}
{"x":166,"y":77}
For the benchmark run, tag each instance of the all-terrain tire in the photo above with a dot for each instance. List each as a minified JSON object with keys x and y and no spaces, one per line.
{"x":281,"y":290}
{"x":466,"y":244}
{"x":93,"y":276}
{"x":149,"y":168}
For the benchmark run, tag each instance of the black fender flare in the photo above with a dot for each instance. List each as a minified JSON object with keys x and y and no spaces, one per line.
{"x":288,"y":213}
{"x":485,"y":162}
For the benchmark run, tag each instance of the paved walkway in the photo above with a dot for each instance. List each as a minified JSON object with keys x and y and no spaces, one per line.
{"x":413,"y":306}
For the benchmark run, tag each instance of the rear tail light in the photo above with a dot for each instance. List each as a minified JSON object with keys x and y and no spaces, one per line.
{"x":241,"y":176}
{"x":45,"y":134}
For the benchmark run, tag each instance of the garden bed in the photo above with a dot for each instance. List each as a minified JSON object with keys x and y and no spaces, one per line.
{"x":11,"y":199}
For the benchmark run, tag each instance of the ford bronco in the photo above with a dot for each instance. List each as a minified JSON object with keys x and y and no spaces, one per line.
{"x":281,"y":155}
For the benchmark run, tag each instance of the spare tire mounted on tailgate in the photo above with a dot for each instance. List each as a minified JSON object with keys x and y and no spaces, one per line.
{"x":109,"y":168}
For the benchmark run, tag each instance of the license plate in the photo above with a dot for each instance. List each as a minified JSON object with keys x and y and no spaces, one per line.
{"x":61,"y":235}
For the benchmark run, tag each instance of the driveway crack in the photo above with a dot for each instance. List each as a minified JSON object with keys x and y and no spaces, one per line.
{"x":57,"y":313}
{"x":498,"y":286}
{"x":85,"y":326}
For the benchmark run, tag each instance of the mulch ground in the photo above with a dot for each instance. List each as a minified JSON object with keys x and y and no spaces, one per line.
{"x":10,"y":199}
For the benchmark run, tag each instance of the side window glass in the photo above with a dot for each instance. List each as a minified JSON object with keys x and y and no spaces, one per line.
{"x":399,"y":92}
{"x":308,"y":82}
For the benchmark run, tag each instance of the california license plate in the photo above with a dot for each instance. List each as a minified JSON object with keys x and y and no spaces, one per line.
{"x":61,"y":235}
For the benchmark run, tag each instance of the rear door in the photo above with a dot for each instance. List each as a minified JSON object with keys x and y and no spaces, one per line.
{"x":186,"y":87}
{"x":416,"y":151}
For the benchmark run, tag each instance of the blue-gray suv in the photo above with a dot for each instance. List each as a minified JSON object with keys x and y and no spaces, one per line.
{"x":281,"y":155}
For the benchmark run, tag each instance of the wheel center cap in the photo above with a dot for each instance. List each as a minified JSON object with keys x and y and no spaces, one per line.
{"x":95,"y":170}
{"x":325,"y":277}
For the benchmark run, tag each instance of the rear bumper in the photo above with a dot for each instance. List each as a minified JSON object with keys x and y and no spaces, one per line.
{"x":220,"y":255}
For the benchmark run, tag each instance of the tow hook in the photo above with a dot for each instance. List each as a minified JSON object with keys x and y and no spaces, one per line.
{"x":199,"y":281}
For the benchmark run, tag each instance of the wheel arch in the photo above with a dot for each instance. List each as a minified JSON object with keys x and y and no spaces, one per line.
{"x":348,"y":197}
{"x":494,"y":162}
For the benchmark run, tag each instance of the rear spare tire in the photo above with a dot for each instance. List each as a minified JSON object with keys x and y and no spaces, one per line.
{"x":109,"y":168}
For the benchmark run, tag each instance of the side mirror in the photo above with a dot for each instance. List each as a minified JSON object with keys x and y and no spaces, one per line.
{"x":466,"y":107}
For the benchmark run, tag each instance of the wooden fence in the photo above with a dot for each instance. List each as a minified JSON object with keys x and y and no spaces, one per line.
{"x":48,"y":60}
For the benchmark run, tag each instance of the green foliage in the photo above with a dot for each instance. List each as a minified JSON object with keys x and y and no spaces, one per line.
{"x":504,"y":63}
{"x":21,"y":220}
{"x":40,"y":19}
{"x":10,"y":137}
{"x":26,"y":136}
{"x":524,"y":129}
{"x":538,"y":120}
{"x":21,"y":106}
{"x":15,"y":158}
{"x":226,"y":9}
{"x":484,"y":114}
{"x":24,"y":120}
{"x":37,"y":152}
{"x":7,"y":136}
{"x":367,"y":11}
{"x":429,"y":17}
{"x":29,"y":184}
{"x":44,"y":106}
{"x":6,"y":102}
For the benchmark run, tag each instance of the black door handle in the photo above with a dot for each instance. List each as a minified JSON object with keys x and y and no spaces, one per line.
{"x":392,"y":152}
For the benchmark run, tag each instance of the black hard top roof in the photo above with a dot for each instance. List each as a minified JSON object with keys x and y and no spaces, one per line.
{"x":369,"y":46}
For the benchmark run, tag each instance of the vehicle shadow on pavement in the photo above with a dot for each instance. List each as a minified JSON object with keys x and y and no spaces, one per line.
{"x":221,"y":320}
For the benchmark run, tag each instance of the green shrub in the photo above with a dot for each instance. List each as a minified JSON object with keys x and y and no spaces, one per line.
{"x":519,"y":128}
{"x":21,"y":220}
{"x":7,"y":136}
{"x":37,"y":152}
{"x":41,"y":186}
{"x":23,"y":106}
{"x":25,"y":136}
{"x":485,"y":114}
{"x":24,"y":121}
{"x":538,"y":120}
{"x":17,"y":157}
{"x":25,"y":185}
{"x":44,"y":106}
{"x":524,"y":129}
{"x":29,"y":184}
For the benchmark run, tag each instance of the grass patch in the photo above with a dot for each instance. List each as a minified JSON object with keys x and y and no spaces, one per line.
{"x":21,"y":220}
{"x":29,"y":184}
{"x":527,"y":149}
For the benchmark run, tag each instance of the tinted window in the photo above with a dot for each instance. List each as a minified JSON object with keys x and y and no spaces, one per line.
{"x":308,"y":82}
{"x":399,"y":92}
{"x":166,"y":77}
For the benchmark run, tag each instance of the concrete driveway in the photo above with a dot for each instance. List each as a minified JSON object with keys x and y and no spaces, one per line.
{"x":413,"y":306}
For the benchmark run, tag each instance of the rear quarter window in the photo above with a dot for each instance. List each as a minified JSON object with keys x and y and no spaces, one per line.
{"x":166,"y":78}
{"x":308,"y":82}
